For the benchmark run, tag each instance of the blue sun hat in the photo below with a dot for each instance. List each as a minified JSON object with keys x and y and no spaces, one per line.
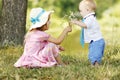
{"x":39,"y":17}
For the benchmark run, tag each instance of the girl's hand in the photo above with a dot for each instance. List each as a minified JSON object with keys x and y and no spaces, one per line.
{"x":61,"y":48}
{"x":68,"y":29}
{"x":70,"y":24}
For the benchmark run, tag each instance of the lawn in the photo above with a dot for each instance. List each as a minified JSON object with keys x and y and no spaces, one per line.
{"x":77,"y":68}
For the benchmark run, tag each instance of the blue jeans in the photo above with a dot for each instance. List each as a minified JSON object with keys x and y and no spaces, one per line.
{"x":96,"y":50}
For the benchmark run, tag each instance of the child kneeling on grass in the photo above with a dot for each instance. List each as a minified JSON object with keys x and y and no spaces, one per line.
{"x":41,"y":49}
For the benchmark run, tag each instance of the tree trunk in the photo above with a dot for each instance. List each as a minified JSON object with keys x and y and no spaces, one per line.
{"x":13,"y":22}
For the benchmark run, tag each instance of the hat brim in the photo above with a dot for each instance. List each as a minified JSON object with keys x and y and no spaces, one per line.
{"x":43,"y":19}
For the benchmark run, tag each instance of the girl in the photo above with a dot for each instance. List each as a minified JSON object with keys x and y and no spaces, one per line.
{"x":41,"y":49}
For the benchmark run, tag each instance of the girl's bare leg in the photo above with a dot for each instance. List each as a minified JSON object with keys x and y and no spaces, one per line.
{"x":59,"y":60}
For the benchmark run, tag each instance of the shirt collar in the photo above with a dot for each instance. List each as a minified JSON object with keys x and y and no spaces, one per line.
{"x":92,"y":13}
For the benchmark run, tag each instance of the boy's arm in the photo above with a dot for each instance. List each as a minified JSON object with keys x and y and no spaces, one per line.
{"x":79,"y":23}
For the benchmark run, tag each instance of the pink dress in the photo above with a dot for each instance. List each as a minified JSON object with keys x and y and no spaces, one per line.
{"x":38,"y":52}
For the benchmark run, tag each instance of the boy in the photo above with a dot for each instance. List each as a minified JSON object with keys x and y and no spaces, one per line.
{"x":91,"y":28}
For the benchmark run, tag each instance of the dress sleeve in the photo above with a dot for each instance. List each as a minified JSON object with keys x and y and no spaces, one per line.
{"x":44,"y":36}
{"x":38,"y":36}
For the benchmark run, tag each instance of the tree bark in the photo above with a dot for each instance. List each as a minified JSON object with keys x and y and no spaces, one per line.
{"x":13,"y":22}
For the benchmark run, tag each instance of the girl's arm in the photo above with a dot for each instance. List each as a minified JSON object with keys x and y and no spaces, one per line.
{"x":79,"y":23}
{"x":61,"y":37}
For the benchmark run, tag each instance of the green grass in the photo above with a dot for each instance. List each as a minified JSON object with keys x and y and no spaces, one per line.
{"x":77,"y":68}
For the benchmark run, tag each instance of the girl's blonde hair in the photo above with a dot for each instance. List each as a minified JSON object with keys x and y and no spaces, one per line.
{"x":90,"y":4}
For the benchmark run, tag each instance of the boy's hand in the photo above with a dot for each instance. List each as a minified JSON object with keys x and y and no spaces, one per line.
{"x":74,"y":21}
{"x":79,"y":23}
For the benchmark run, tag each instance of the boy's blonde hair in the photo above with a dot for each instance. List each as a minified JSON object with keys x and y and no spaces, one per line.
{"x":90,"y":4}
